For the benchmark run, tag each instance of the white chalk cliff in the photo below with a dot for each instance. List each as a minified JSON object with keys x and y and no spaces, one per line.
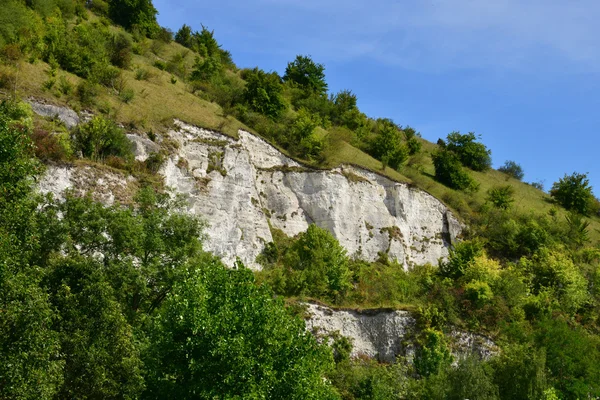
{"x":388,"y":334}
{"x":241,"y":186}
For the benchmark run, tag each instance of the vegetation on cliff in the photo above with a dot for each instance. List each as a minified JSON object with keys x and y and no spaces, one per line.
{"x":121,"y":301}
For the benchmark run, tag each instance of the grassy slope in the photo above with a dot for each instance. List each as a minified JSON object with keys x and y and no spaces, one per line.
{"x":158,"y":101}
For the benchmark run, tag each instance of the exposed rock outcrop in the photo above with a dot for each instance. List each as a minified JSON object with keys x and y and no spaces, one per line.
{"x":242,"y":186}
{"x":67,"y":116}
{"x":387,"y":334}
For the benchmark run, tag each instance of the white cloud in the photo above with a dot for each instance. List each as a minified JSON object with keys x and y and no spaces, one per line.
{"x":431,"y":34}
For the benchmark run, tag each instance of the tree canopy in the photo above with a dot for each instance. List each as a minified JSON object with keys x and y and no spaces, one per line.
{"x":307,"y":74}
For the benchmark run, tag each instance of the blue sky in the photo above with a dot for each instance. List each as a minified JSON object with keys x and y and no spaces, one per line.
{"x":525,"y":74}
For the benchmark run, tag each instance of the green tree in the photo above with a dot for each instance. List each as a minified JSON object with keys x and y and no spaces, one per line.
{"x":572,"y":358}
{"x":388,"y":145}
{"x":101,"y":356}
{"x":512,"y":169}
{"x":574,"y":193}
{"x":433,"y":354}
{"x":462,"y":256}
{"x":29,"y":348}
{"x":184,"y":36}
{"x":100,"y":138}
{"x":303,"y":140}
{"x":554,"y":273}
{"x":520,"y":372}
{"x":309,"y":75}
{"x":501,"y":196}
{"x":219,"y":335}
{"x":450,"y":172}
{"x":206,"y":69}
{"x":470,"y":153}
{"x":318,"y":265}
{"x":413,"y":144}
{"x":206,"y":44}
{"x":140,"y":14}
{"x":263,"y":93}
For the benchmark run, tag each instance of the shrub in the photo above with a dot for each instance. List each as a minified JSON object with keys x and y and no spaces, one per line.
{"x":134,"y":14}
{"x":512,"y":169}
{"x":449,"y":171}
{"x":87,"y":93}
{"x":101,"y":138}
{"x":126,"y":95}
{"x":501,"y":196}
{"x":309,"y":75}
{"x":470,"y":153}
{"x":205,"y":69}
{"x":574,"y":193}
{"x":48,"y":146}
{"x":478,"y":292}
{"x":319,"y":266}
{"x":141,"y":74}
{"x":184,"y":36}
{"x":121,"y":49}
{"x":413,"y":144}
{"x":388,"y":146}
{"x":433,"y":354}
{"x":263,"y":93}
{"x":64,"y":85}
{"x":462,"y":255}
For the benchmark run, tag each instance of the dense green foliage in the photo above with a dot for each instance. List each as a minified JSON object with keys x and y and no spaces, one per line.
{"x":574,"y":192}
{"x":121,"y":301}
{"x":309,"y":75}
{"x":100,"y":138}
{"x":138,"y":14}
{"x":450,"y":172}
{"x":470,"y":153}
{"x":512,"y":169}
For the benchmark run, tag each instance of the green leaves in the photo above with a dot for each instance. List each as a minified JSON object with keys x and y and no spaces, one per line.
{"x":574,"y":193}
{"x":263,"y":93}
{"x":101,"y":138}
{"x":309,"y":75}
{"x":471,"y":154}
{"x":220,"y":335}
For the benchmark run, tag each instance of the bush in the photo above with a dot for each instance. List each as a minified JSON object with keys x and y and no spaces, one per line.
{"x":50,"y":146}
{"x":121,"y":50}
{"x":433,"y":354}
{"x":574,"y":193}
{"x":101,"y":138}
{"x":309,"y":75}
{"x":471,"y":154}
{"x":134,"y":14}
{"x":413,"y":144}
{"x":126,"y":95}
{"x":206,"y":69}
{"x":512,"y":169}
{"x":449,"y":171}
{"x":87,"y":93}
{"x":462,"y":255}
{"x":160,"y":65}
{"x":263,"y":93}
{"x":501,"y":196}
{"x":318,"y":266}
{"x":388,"y":146}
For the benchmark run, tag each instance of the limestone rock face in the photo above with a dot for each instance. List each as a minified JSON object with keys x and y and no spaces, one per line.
{"x":64,"y":114}
{"x":241,"y":186}
{"x":378,"y":334}
{"x":387,"y":334}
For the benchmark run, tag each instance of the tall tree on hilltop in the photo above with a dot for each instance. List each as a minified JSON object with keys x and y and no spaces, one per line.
{"x":307,"y":74}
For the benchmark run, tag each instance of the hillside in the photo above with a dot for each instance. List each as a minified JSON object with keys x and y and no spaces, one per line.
{"x":131,"y":280}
